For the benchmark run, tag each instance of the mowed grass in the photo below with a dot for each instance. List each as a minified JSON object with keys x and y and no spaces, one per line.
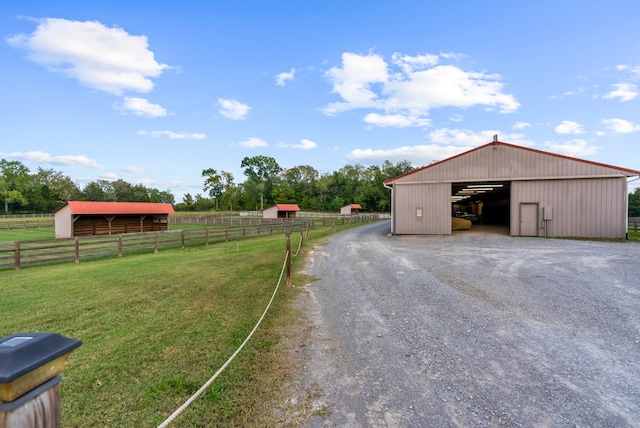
{"x":155,"y":327}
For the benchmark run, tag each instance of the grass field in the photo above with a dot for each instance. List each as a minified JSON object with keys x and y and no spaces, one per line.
{"x":155,"y":327}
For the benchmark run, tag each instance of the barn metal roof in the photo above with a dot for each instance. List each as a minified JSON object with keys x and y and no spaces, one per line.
{"x":100,"y":208}
{"x":626,"y":171}
{"x":288,"y":207}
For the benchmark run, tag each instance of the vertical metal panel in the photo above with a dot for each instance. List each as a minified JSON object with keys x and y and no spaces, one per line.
{"x":422,"y":209}
{"x":592,"y":208}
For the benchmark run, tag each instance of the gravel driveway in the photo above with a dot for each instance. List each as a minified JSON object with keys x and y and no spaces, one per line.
{"x":468,"y":330}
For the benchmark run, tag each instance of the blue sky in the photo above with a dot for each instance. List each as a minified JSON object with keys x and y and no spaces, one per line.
{"x":154,"y":92}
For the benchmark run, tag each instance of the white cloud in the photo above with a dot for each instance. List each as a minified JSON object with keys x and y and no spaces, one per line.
{"x":467,"y":138}
{"x":42,"y":157}
{"x":141,"y":107}
{"x":569,"y":127}
{"x":445,"y":143}
{"x":412,"y":88}
{"x":409,"y":64}
{"x":282,"y":78}
{"x":521,"y":125}
{"x":621,"y":126}
{"x":624,"y":91}
{"x":109,"y":176}
{"x":353,"y":81}
{"x":232,"y":109}
{"x":174,"y":135}
{"x":396,"y":120}
{"x":418,"y":155}
{"x":132,"y":169}
{"x":576,"y":147}
{"x":305,"y":145}
{"x":253,"y":142}
{"x":634,"y":70}
{"x":104,"y":58}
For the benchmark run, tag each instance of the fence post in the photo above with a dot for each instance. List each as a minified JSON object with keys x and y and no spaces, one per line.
{"x":76,"y":250}
{"x":206,"y":237}
{"x":16,"y":254}
{"x":119,"y":246}
{"x":244,"y":232}
{"x":226,"y":234}
{"x":155,"y":243}
{"x":182,"y":239}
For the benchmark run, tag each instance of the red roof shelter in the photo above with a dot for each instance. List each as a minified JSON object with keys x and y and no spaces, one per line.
{"x":350,"y":209}
{"x":85,"y":218}
{"x":281,"y":211}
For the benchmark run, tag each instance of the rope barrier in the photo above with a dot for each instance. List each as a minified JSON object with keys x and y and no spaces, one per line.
{"x":224,"y":366}
{"x":299,"y":245}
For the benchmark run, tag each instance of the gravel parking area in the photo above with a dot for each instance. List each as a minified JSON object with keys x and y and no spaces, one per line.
{"x":471,"y":330}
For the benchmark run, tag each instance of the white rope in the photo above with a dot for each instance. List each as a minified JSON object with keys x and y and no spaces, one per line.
{"x":224,"y":366}
{"x":299,"y":245}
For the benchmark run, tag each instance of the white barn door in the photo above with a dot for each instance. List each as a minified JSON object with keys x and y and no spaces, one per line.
{"x":528,"y":219}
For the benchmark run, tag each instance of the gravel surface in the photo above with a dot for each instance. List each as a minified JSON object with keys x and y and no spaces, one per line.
{"x":471,"y":330}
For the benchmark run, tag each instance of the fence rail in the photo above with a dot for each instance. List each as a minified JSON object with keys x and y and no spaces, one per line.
{"x":17,"y":254}
{"x":634,"y":224}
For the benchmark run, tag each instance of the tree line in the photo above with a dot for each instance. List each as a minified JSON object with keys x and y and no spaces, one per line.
{"x":266,"y":183}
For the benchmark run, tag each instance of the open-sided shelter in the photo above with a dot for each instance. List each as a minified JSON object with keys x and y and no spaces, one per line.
{"x":85,"y":218}
{"x":350,"y":209}
{"x":281,"y":211}
{"x":533,"y":192}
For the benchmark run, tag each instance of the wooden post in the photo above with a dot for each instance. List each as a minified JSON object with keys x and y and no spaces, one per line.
{"x":119,"y":246}
{"x":226,"y":234}
{"x":76,"y":250}
{"x":182,"y":239}
{"x":334,"y":225}
{"x":16,"y":254}
{"x":155,"y":243}
{"x":288,"y":262}
{"x":206,"y":237}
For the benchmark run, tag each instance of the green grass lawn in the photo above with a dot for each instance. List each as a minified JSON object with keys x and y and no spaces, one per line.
{"x":155,"y":327}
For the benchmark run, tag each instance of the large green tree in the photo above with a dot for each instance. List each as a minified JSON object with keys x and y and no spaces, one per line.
{"x":14,"y":184}
{"x":261,"y":171}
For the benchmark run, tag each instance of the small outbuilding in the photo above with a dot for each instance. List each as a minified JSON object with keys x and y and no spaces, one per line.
{"x":351,"y":209}
{"x":86,"y":218}
{"x":530,"y":192}
{"x":281,"y":211}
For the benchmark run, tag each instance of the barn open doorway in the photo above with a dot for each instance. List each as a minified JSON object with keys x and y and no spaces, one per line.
{"x":486,"y":204}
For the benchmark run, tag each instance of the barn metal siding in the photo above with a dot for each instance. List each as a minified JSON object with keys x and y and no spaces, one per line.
{"x":434,"y":203}
{"x":587,"y":207}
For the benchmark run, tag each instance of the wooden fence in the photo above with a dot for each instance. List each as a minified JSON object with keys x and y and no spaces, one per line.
{"x":634,"y":224}
{"x":18,"y":254}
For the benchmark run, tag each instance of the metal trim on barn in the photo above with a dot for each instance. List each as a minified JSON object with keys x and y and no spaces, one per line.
{"x":527,"y":191}
{"x":88,"y":218}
